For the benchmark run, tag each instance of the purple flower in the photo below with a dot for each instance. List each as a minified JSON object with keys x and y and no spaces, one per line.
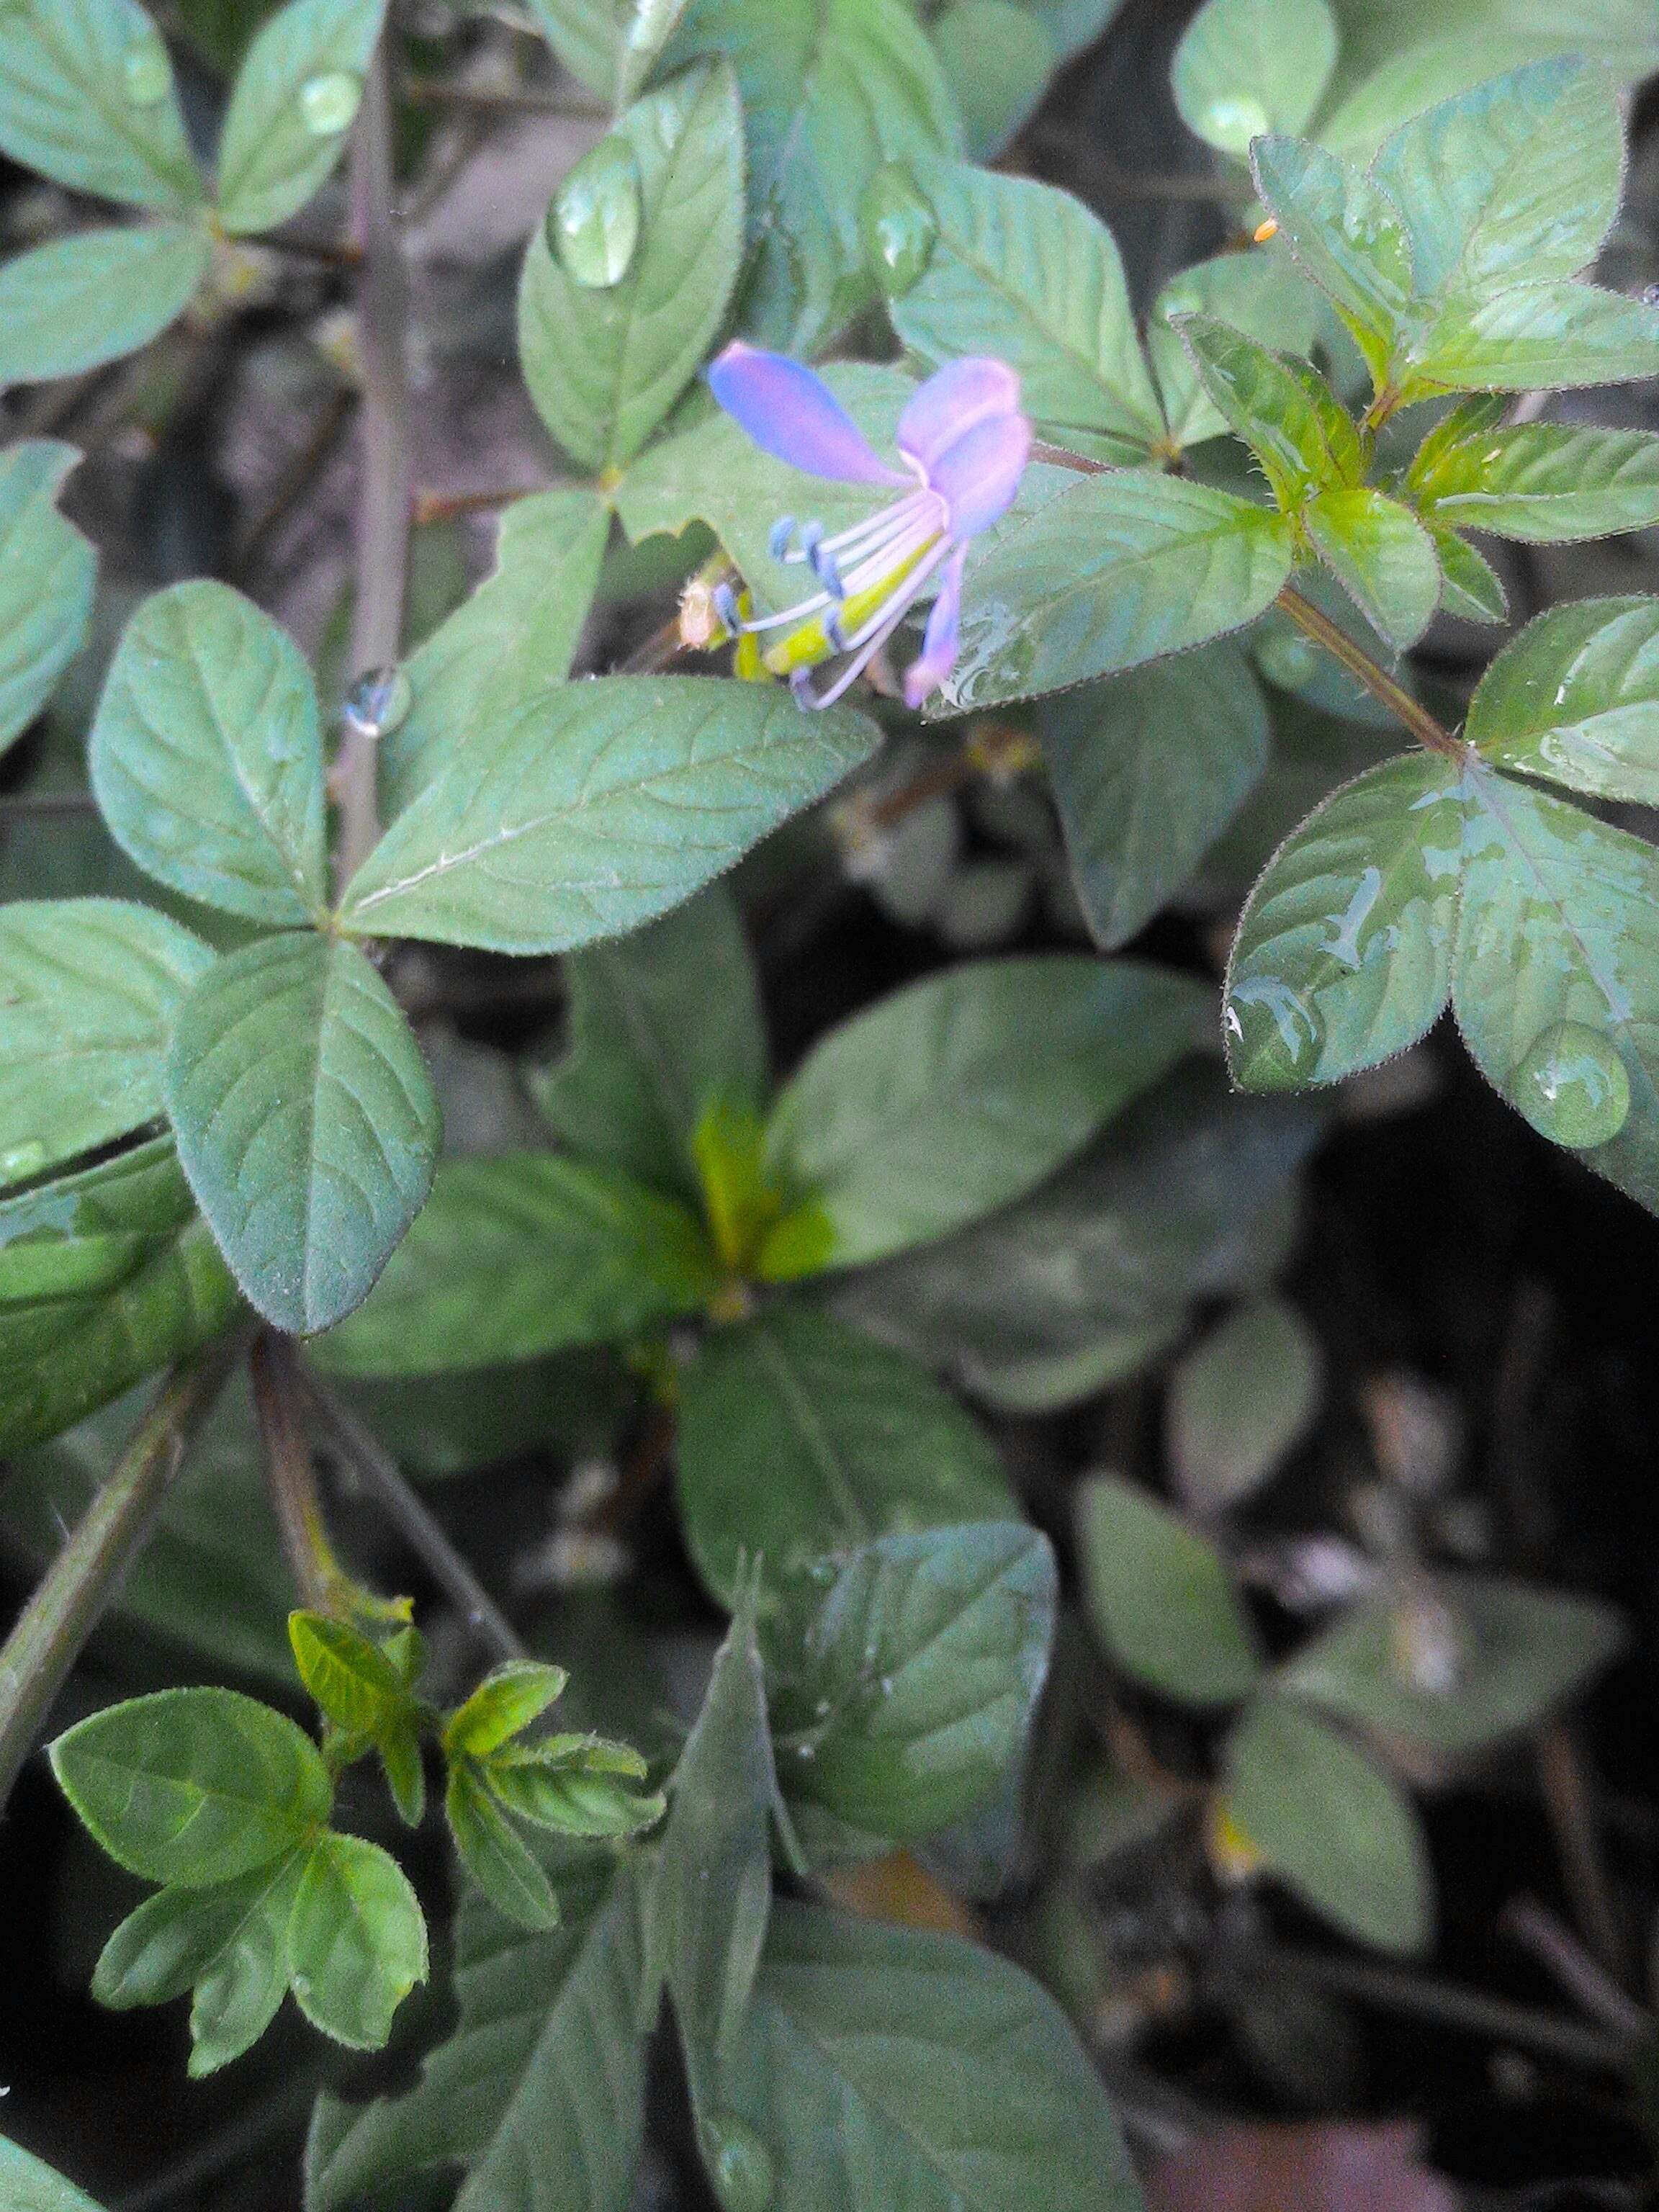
{"x":963,"y":442}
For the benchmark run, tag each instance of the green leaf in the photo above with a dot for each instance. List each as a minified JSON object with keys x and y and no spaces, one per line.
{"x":831,"y":90}
{"x":505,"y":1704}
{"x":1161,"y":1597}
{"x":104,"y":1277}
{"x":605,"y":363}
{"x":1148,"y":771}
{"x":193,"y":1786}
{"x":1348,"y":235}
{"x":1469,"y":584}
{"x":598,"y":808}
{"x":997,"y":59}
{"x":1555,"y":981}
{"x":511,"y":642}
{"x":1575,"y":699}
{"x":637,"y":1078}
{"x":86,"y":98}
{"x":495,"y":1857}
{"x":1344,"y":952}
{"x":521,"y":1255}
{"x":883,"y":2066}
{"x":906,"y":1690}
{"x":1546,"y":482}
{"x":47,"y":574}
{"x":31,"y":2185}
{"x":543,"y":2074}
{"x":1382,"y":557}
{"x":712,"y":1893}
{"x":207,"y":756}
{"x":349,"y":1678}
{"x":1496,"y":1657}
{"x":1242,"y":1402}
{"x":1261,"y":294}
{"x":1118,"y":569}
{"x":800,"y":1436}
{"x":1026,"y":273}
{"x":89,"y":990}
{"x":571,"y":1785}
{"x":1286,"y":412}
{"x":306,"y":1122}
{"x":1333,"y":1826}
{"x":241,"y":1994}
{"x":356,"y":1941}
{"x":1244,"y":67}
{"x":609,"y":45}
{"x":1539,"y":334}
{"x":295,"y":97}
{"x":930,"y":1109}
{"x":88,"y":299}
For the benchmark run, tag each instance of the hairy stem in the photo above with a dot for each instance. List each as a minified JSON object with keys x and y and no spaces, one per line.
{"x":1359,"y":665}
{"x":52,"y":1631}
{"x":319,"y":1578}
{"x":386,"y":499}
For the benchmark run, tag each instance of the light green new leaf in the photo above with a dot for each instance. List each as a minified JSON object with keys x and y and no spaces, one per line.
{"x":906,"y":1689}
{"x":89,"y":990}
{"x":86,"y":98}
{"x":545,"y":2073}
{"x":1248,"y":66}
{"x":503,"y":1706}
{"x":931,"y":1108}
{"x":1497,"y":1657}
{"x":1286,"y":412}
{"x":1382,"y":557}
{"x":522,"y":1254}
{"x":193,"y":1786}
{"x":1018,"y":269}
{"x":349,"y":1678}
{"x":831,"y":90}
{"x":104,"y":1277}
{"x":605,"y":363}
{"x":356,"y":1941}
{"x":1534,"y":335}
{"x":1575,"y":699}
{"x":295,"y":97}
{"x":306,"y":1122}
{"x":598,"y":808}
{"x":1546,"y":482}
{"x":1469,"y":584}
{"x":1555,"y":982}
{"x":1159,"y":1595}
{"x":494,"y":1855}
{"x":47,"y":570}
{"x":206,"y":757}
{"x":1330,"y":1823}
{"x":1118,"y":569}
{"x":1344,"y":952}
{"x":1262,"y":294}
{"x":883,"y":2066}
{"x":29,"y":2184}
{"x":92,"y":297}
{"x":511,"y":642}
{"x":798,"y":1436}
{"x":1347,"y":236}
{"x":1239,"y":1403}
{"x":1147,"y":770}
{"x":998,"y":57}
{"x":637,"y":1078}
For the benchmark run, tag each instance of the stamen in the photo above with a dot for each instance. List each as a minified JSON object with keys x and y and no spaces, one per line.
{"x":726,"y":607}
{"x":797,"y":613}
{"x":782,"y":531}
{"x":824,"y":568}
{"x":869,"y":641}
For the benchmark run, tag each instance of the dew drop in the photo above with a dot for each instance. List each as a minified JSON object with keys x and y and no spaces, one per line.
{"x":378,"y":702}
{"x":1232,"y":123}
{"x":1274,"y":1036}
{"x":1286,"y":658}
{"x":740,"y":2163}
{"x":593,"y":224}
{"x":1572,"y":1086}
{"x":146,"y":72}
{"x":22,"y":1159}
{"x":899,"y":230}
{"x":329,"y":103}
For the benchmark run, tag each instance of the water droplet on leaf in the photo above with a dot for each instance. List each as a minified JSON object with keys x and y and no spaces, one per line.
{"x":740,"y":2163}
{"x":22,"y":1159}
{"x":329,"y":103}
{"x":1274,"y":1036}
{"x":593,"y":224}
{"x":899,"y":230}
{"x":1572,"y":1086}
{"x":1232,"y":123}
{"x":378,"y":702}
{"x":146,"y":72}
{"x":1286,"y":658}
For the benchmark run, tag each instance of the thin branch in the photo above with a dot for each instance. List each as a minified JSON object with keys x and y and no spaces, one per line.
{"x":1573,"y":1820}
{"x":319,"y":1578}
{"x":1062,"y":457}
{"x":50,"y":1633}
{"x":386,"y":500}
{"x":434,"y":92}
{"x":46,"y":804}
{"x":381,"y":1474}
{"x":295,"y":480}
{"x":1565,"y":1959}
{"x":1359,"y":665}
{"x":446,"y":506}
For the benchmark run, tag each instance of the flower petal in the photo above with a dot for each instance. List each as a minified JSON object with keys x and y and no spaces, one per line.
{"x":937,"y":656}
{"x":962,"y":395}
{"x":978,"y":476}
{"x":793,"y":413}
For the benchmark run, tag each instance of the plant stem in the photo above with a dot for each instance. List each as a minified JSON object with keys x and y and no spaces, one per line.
{"x":1359,"y":665}
{"x":1062,"y":457}
{"x":386,"y":500}
{"x":46,"y":804}
{"x":50,"y":1633}
{"x":380,"y":1473}
{"x":318,"y":1579}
